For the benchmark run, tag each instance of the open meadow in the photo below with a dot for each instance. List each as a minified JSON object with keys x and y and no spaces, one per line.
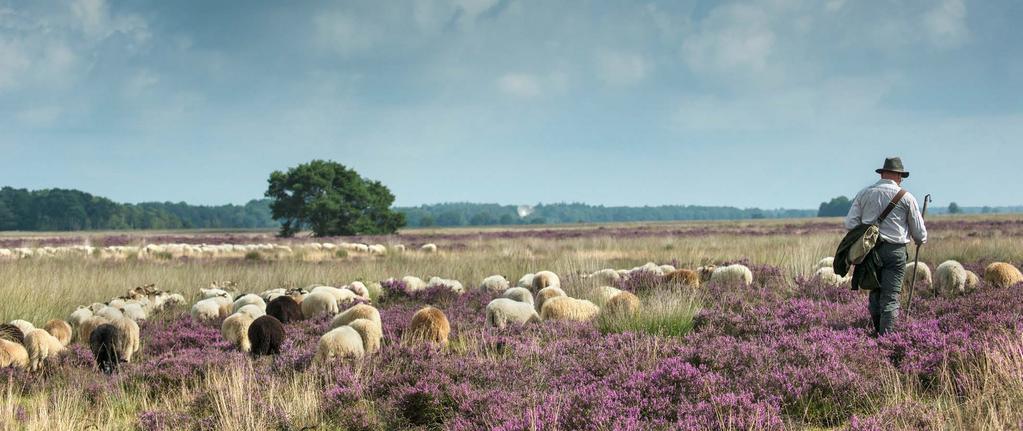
{"x":790,"y":350}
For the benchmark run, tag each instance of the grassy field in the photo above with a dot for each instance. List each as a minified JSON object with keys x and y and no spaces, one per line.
{"x":922,"y":378}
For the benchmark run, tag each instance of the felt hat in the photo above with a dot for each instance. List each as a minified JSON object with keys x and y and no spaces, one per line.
{"x":894,"y":164}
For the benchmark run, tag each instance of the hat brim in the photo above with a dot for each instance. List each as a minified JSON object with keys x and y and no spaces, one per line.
{"x":903,"y":173}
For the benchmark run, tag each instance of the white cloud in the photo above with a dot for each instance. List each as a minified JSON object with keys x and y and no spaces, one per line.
{"x":946,"y":24}
{"x":520,"y":85}
{"x":97,"y":23}
{"x":13,"y":63}
{"x":619,"y":68}
{"x":735,"y":39}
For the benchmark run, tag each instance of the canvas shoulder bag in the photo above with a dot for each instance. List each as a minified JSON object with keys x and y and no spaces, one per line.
{"x":866,"y":243}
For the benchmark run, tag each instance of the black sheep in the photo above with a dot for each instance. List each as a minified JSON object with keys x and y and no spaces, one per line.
{"x":266,"y":335}
{"x":10,"y":332}
{"x":285,"y":309}
{"x":103,"y":342}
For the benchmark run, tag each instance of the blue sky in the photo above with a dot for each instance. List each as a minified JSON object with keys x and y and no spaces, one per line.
{"x":776,"y":103}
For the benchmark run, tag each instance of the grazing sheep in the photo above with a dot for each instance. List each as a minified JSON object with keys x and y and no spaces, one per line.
{"x":546,"y":294}
{"x":502,"y":311}
{"x":827,"y":276}
{"x":377,"y":250}
{"x":111,"y":313}
{"x":370,"y":332}
{"x":340,"y":343}
{"x":206,"y":310}
{"x":565,"y":308}
{"x":400,"y":248}
{"x":104,"y":343}
{"x":253,"y":310}
{"x":519,"y":294}
{"x":526,"y":281}
{"x":266,"y":335}
{"x":284,"y":309}
{"x":544,"y":279}
{"x":827,"y":262}
{"x":603,"y":294}
{"x":606,"y":275}
{"x":413,"y":283}
{"x":667,"y":269}
{"x":428,"y":248}
{"x":60,"y":330}
{"x":450,"y":284}
{"x":174,"y":299}
{"x":23,"y":325}
{"x":357,"y":311}
{"x":359,"y":289}
{"x":494,"y":283}
{"x":623,"y":304}
{"x":96,"y":306}
{"x":269,"y":294}
{"x":923,"y":274}
{"x":340,"y":295}
{"x":248,"y":299}
{"x":429,"y":324}
{"x":950,"y":278}
{"x":732,"y":274}
{"x":684,"y":277}
{"x":129,"y":340}
{"x":972,"y":280}
{"x":706,"y":272}
{"x":319,"y":303}
{"x":41,"y":346}
{"x":214,"y":292}
{"x":89,"y":325}
{"x":236,"y":330}
{"x":134,"y":311}
{"x":78,"y":316}
{"x":13,"y":354}
{"x":1002,"y":275}
{"x":12,"y":333}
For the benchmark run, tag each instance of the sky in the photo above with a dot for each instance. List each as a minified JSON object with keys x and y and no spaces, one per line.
{"x":775,"y":103}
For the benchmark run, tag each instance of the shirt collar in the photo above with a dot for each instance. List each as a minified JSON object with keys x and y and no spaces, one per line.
{"x":883,"y":181}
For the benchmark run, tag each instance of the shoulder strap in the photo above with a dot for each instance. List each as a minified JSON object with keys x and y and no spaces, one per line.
{"x":891,"y":206}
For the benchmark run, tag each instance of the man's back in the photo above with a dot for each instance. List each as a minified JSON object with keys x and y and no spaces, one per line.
{"x":903,"y":222}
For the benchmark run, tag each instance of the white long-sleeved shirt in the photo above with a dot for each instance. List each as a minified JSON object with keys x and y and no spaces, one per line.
{"x":903,"y":221}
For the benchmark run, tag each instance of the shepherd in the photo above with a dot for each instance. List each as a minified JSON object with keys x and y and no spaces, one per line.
{"x":881,"y":221}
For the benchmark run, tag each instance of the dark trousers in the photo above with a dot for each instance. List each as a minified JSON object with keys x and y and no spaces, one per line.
{"x":884,"y":302}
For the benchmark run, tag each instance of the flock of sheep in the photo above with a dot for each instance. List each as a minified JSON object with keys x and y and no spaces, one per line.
{"x":949,"y":278}
{"x":209,"y":251}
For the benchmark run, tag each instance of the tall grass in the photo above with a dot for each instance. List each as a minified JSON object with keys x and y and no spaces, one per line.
{"x":664,"y":312}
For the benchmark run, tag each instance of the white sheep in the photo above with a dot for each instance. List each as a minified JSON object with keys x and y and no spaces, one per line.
{"x":647,"y":267}
{"x":322,"y":302}
{"x":519,"y":294}
{"x":494,"y":283}
{"x":174,"y":299}
{"x":271,"y":294}
{"x":213,"y":292}
{"x":827,"y":276}
{"x":135,"y":311}
{"x":341,"y":342}
{"x":236,"y":330}
{"x":377,"y":250}
{"x":950,"y":278}
{"x":667,"y":269}
{"x":40,"y":346}
{"x":400,"y":248}
{"x":248,"y":299}
{"x":736,"y":273}
{"x":827,"y":262}
{"x":206,"y":310}
{"x":79,"y":315}
{"x":502,"y":311}
{"x":413,"y":283}
{"x":252,"y":310}
{"x":565,"y":308}
{"x":606,"y":275}
{"x":359,"y":289}
{"x":546,"y":294}
{"x":340,"y":295}
{"x":370,"y":332}
{"x":453,"y":285}
{"x":602,"y":294}
{"x":428,"y":248}
{"x":525,"y":281}
{"x":129,"y":342}
{"x":923,"y":274}
{"x":24,"y":325}
{"x":357,"y":311}
{"x":111,"y":313}
{"x":544,"y":279}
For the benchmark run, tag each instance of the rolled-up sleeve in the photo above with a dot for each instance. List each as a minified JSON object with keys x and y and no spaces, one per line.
{"x":916,"y":223}
{"x":855,"y":216}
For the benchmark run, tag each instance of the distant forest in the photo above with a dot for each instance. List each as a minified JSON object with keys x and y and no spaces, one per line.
{"x":71,"y":210}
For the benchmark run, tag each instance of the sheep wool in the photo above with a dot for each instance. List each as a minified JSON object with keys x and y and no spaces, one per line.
{"x":248,"y":299}
{"x":206,"y":310}
{"x":667,"y":269}
{"x":603,"y":294}
{"x":706,"y":272}
{"x":266,"y":335}
{"x":428,"y":248}
{"x":357,"y":311}
{"x":950,"y":278}
{"x":41,"y":346}
{"x":525,"y":281}
{"x":13,"y":354}
{"x":565,"y":308}
{"x":12,"y":333}
{"x":504,"y":311}
{"x":732,"y":274}
{"x":827,"y":276}
{"x":359,"y":289}
{"x":546,"y":294}
{"x":827,"y":262}
{"x":453,"y":285}
{"x":60,"y":329}
{"x":135,"y":311}
{"x":683,"y":277}
{"x":78,"y":316}
{"x":24,"y":325}
{"x":341,"y":342}
{"x":317,"y":303}
{"x":252,"y":310}
{"x":111,"y":313}
{"x":429,"y":324}
{"x":1002,"y":275}
{"x":236,"y":330}
{"x":89,"y":325}
{"x":923,"y":274}
{"x":370,"y":332}
{"x":606,"y":275}
{"x":972,"y":280}
{"x":494,"y":283}
{"x":128,"y":344}
{"x":623,"y":304}
{"x":413,"y":283}
{"x":519,"y":294}
{"x":544,"y":279}
{"x":285,"y":309}
{"x":104,"y":342}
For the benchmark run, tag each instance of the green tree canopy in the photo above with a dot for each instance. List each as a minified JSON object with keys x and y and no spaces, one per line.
{"x":953,"y":208}
{"x":330,"y":199}
{"x":837,"y":207}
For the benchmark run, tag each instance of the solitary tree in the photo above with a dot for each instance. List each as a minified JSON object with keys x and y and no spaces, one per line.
{"x":330,"y":199}
{"x":836,"y":207}
{"x":953,"y":208}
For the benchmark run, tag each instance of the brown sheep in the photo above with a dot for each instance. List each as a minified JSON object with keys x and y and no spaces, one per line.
{"x":706,"y":272}
{"x":41,"y":346}
{"x":1001,"y":275}
{"x":971,"y":280}
{"x":11,"y":333}
{"x":623,"y":304}
{"x":431,"y":325}
{"x":544,"y":279}
{"x":13,"y":354}
{"x":59,"y":329}
{"x":546,"y":294}
{"x":357,"y":311}
{"x":129,"y":341}
{"x":684,"y":277}
{"x":565,"y":308}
